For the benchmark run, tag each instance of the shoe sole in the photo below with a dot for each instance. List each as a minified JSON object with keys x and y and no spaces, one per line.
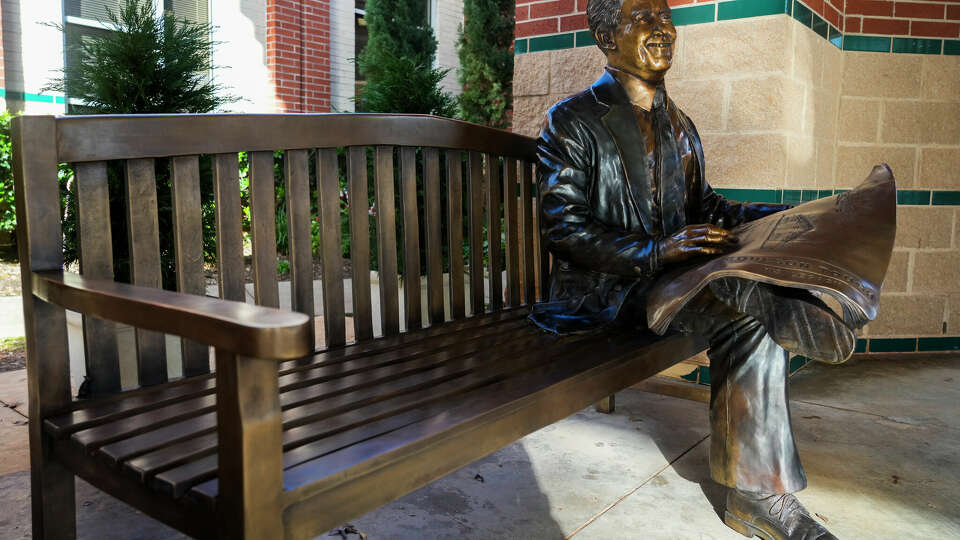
{"x":743,"y":527}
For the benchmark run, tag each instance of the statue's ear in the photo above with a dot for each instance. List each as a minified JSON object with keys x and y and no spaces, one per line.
{"x":604,"y":40}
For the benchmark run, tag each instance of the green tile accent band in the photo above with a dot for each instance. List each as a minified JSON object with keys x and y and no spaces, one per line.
{"x":704,"y":375}
{"x":835,"y":36}
{"x":913,"y":197}
{"x":693,"y":15}
{"x":742,"y":9}
{"x":584,"y":39}
{"x":917,"y":46}
{"x":752,"y":195}
{"x":893,"y":345}
{"x":861,"y":346}
{"x":551,"y":43}
{"x":820,"y":26}
{"x":692,"y":376}
{"x":931,"y":344}
{"x":951,"y":46}
{"x":802,"y":13}
{"x":948,"y":198}
{"x":797,"y":362}
{"x":28,"y":96}
{"x":866,"y":43}
{"x":520,"y":46}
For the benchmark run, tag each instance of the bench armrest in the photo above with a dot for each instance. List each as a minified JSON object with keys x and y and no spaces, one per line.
{"x":237,"y":327}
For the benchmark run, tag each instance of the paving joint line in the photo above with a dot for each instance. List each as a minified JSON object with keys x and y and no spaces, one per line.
{"x":13,"y":408}
{"x":634,"y":490}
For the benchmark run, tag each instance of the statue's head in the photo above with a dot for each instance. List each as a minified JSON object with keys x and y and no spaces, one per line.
{"x":636,"y":35}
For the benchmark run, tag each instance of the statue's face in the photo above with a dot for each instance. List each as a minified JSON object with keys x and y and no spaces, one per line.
{"x":643,"y":41}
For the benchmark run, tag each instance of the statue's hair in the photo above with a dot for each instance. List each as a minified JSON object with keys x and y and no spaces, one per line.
{"x":603,"y":15}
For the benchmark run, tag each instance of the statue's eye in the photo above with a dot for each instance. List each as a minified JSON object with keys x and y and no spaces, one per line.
{"x":665,"y":15}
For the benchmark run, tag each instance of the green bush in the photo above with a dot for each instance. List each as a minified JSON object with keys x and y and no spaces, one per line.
{"x":8,"y":211}
{"x":486,"y":62}
{"x":398,"y":61}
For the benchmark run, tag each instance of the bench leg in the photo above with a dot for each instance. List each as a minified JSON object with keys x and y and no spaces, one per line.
{"x":52,"y":496}
{"x":251,"y":454}
{"x":606,"y":405}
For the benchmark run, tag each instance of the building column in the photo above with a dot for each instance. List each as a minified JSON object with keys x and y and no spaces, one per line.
{"x":298,"y":54}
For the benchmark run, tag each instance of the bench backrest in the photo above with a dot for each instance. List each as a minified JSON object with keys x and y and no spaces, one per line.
{"x":430,"y":175}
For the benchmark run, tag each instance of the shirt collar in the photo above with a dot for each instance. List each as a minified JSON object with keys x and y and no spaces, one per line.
{"x":638,"y":91}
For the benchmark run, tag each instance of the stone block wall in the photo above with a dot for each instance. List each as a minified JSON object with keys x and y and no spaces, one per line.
{"x":787,"y":115}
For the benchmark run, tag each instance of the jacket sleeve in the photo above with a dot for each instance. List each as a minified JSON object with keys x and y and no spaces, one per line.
{"x":565,"y":176}
{"x":717,"y":210}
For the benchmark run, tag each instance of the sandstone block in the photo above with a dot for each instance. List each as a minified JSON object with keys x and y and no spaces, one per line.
{"x":896,"y":280}
{"x":826,"y":155}
{"x":572,"y":70}
{"x":745,"y":161}
{"x":859,"y":119}
{"x":801,"y":162}
{"x":529,"y":111}
{"x":833,"y":60}
{"x":940,"y":123}
{"x":531,"y":74}
{"x":825,"y":107}
{"x":762,"y":44}
{"x":807,"y":54}
{"x":869,"y":74}
{"x":764,"y":103}
{"x":941,"y":78}
{"x":939,"y":168}
{"x":900,"y":122}
{"x":854,"y":163}
{"x":909,"y":315}
{"x":924,"y":226}
{"x":702,"y":101}
{"x":936,"y":272}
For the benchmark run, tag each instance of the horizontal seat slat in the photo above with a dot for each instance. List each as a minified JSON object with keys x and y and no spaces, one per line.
{"x":98,"y":412}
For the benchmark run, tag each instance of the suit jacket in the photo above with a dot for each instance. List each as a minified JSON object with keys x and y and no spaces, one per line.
{"x":598,"y":215}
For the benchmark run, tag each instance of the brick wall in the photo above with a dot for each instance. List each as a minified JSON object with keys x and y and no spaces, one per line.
{"x":298,"y":54}
{"x":915,"y":19}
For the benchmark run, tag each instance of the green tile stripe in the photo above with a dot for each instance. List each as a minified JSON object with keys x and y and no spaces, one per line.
{"x":876,"y":345}
{"x":683,"y":16}
{"x":866,"y":43}
{"x":932,"y":344}
{"x":28,"y":96}
{"x":551,"y":42}
{"x":951,"y":46}
{"x":742,"y":9}
{"x":913,"y":197}
{"x":917,"y":46}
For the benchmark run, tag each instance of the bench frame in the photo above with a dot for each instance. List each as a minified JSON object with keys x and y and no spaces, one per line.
{"x":248,"y":339}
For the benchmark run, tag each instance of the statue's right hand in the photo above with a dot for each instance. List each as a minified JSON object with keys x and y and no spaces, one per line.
{"x":694,"y":241}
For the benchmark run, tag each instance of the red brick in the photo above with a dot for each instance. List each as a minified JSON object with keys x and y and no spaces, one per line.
{"x":525,"y":1}
{"x":831,"y":15}
{"x":852,"y":24}
{"x":523,"y":13}
{"x":838,"y":5}
{"x":573,"y":22}
{"x":915,"y":10}
{"x":536,"y":28}
{"x":869,"y":7}
{"x":935,"y":29}
{"x":815,"y":5}
{"x":896,"y":27}
{"x":675,"y":3}
{"x":581,"y":6}
{"x":549,"y":9}
{"x":953,"y":13}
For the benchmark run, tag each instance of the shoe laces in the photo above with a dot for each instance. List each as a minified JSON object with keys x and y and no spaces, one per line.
{"x":786,"y":503}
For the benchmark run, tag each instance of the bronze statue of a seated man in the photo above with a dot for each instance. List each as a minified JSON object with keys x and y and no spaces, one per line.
{"x":623,"y":199}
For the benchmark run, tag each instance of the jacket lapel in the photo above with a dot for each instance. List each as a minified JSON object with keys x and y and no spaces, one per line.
{"x":622,"y":126}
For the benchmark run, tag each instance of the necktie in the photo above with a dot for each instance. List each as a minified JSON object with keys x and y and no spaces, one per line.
{"x":672,"y":189}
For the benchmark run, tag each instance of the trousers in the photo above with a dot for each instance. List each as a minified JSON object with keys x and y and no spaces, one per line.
{"x":751,"y":438}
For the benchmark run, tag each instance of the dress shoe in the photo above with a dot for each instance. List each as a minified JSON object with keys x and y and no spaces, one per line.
{"x":797,"y":320}
{"x":771,"y":516}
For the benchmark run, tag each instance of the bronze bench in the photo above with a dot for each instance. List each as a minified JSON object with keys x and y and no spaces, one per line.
{"x":286,"y":438}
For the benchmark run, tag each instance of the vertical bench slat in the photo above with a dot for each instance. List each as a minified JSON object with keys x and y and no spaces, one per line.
{"x":387,"y":243}
{"x":411,"y":237}
{"x":188,"y":250}
{"x":297,"y":186}
{"x":542,"y":256}
{"x":494,"y":172}
{"x":331,"y":256}
{"x":226,"y":179}
{"x":432,"y":202}
{"x":263,"y":229}
{"x":455,"y":232}
{"x":96,"y":261}
{"x":527,"y":232}
{"x":513,"y":238}
{"x":360,"y":242}
{"x":475,"y":185}
{"x":143,"y":231}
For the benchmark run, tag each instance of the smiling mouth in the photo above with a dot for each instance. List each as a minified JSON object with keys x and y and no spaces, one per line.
{"x":659,"y":45}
